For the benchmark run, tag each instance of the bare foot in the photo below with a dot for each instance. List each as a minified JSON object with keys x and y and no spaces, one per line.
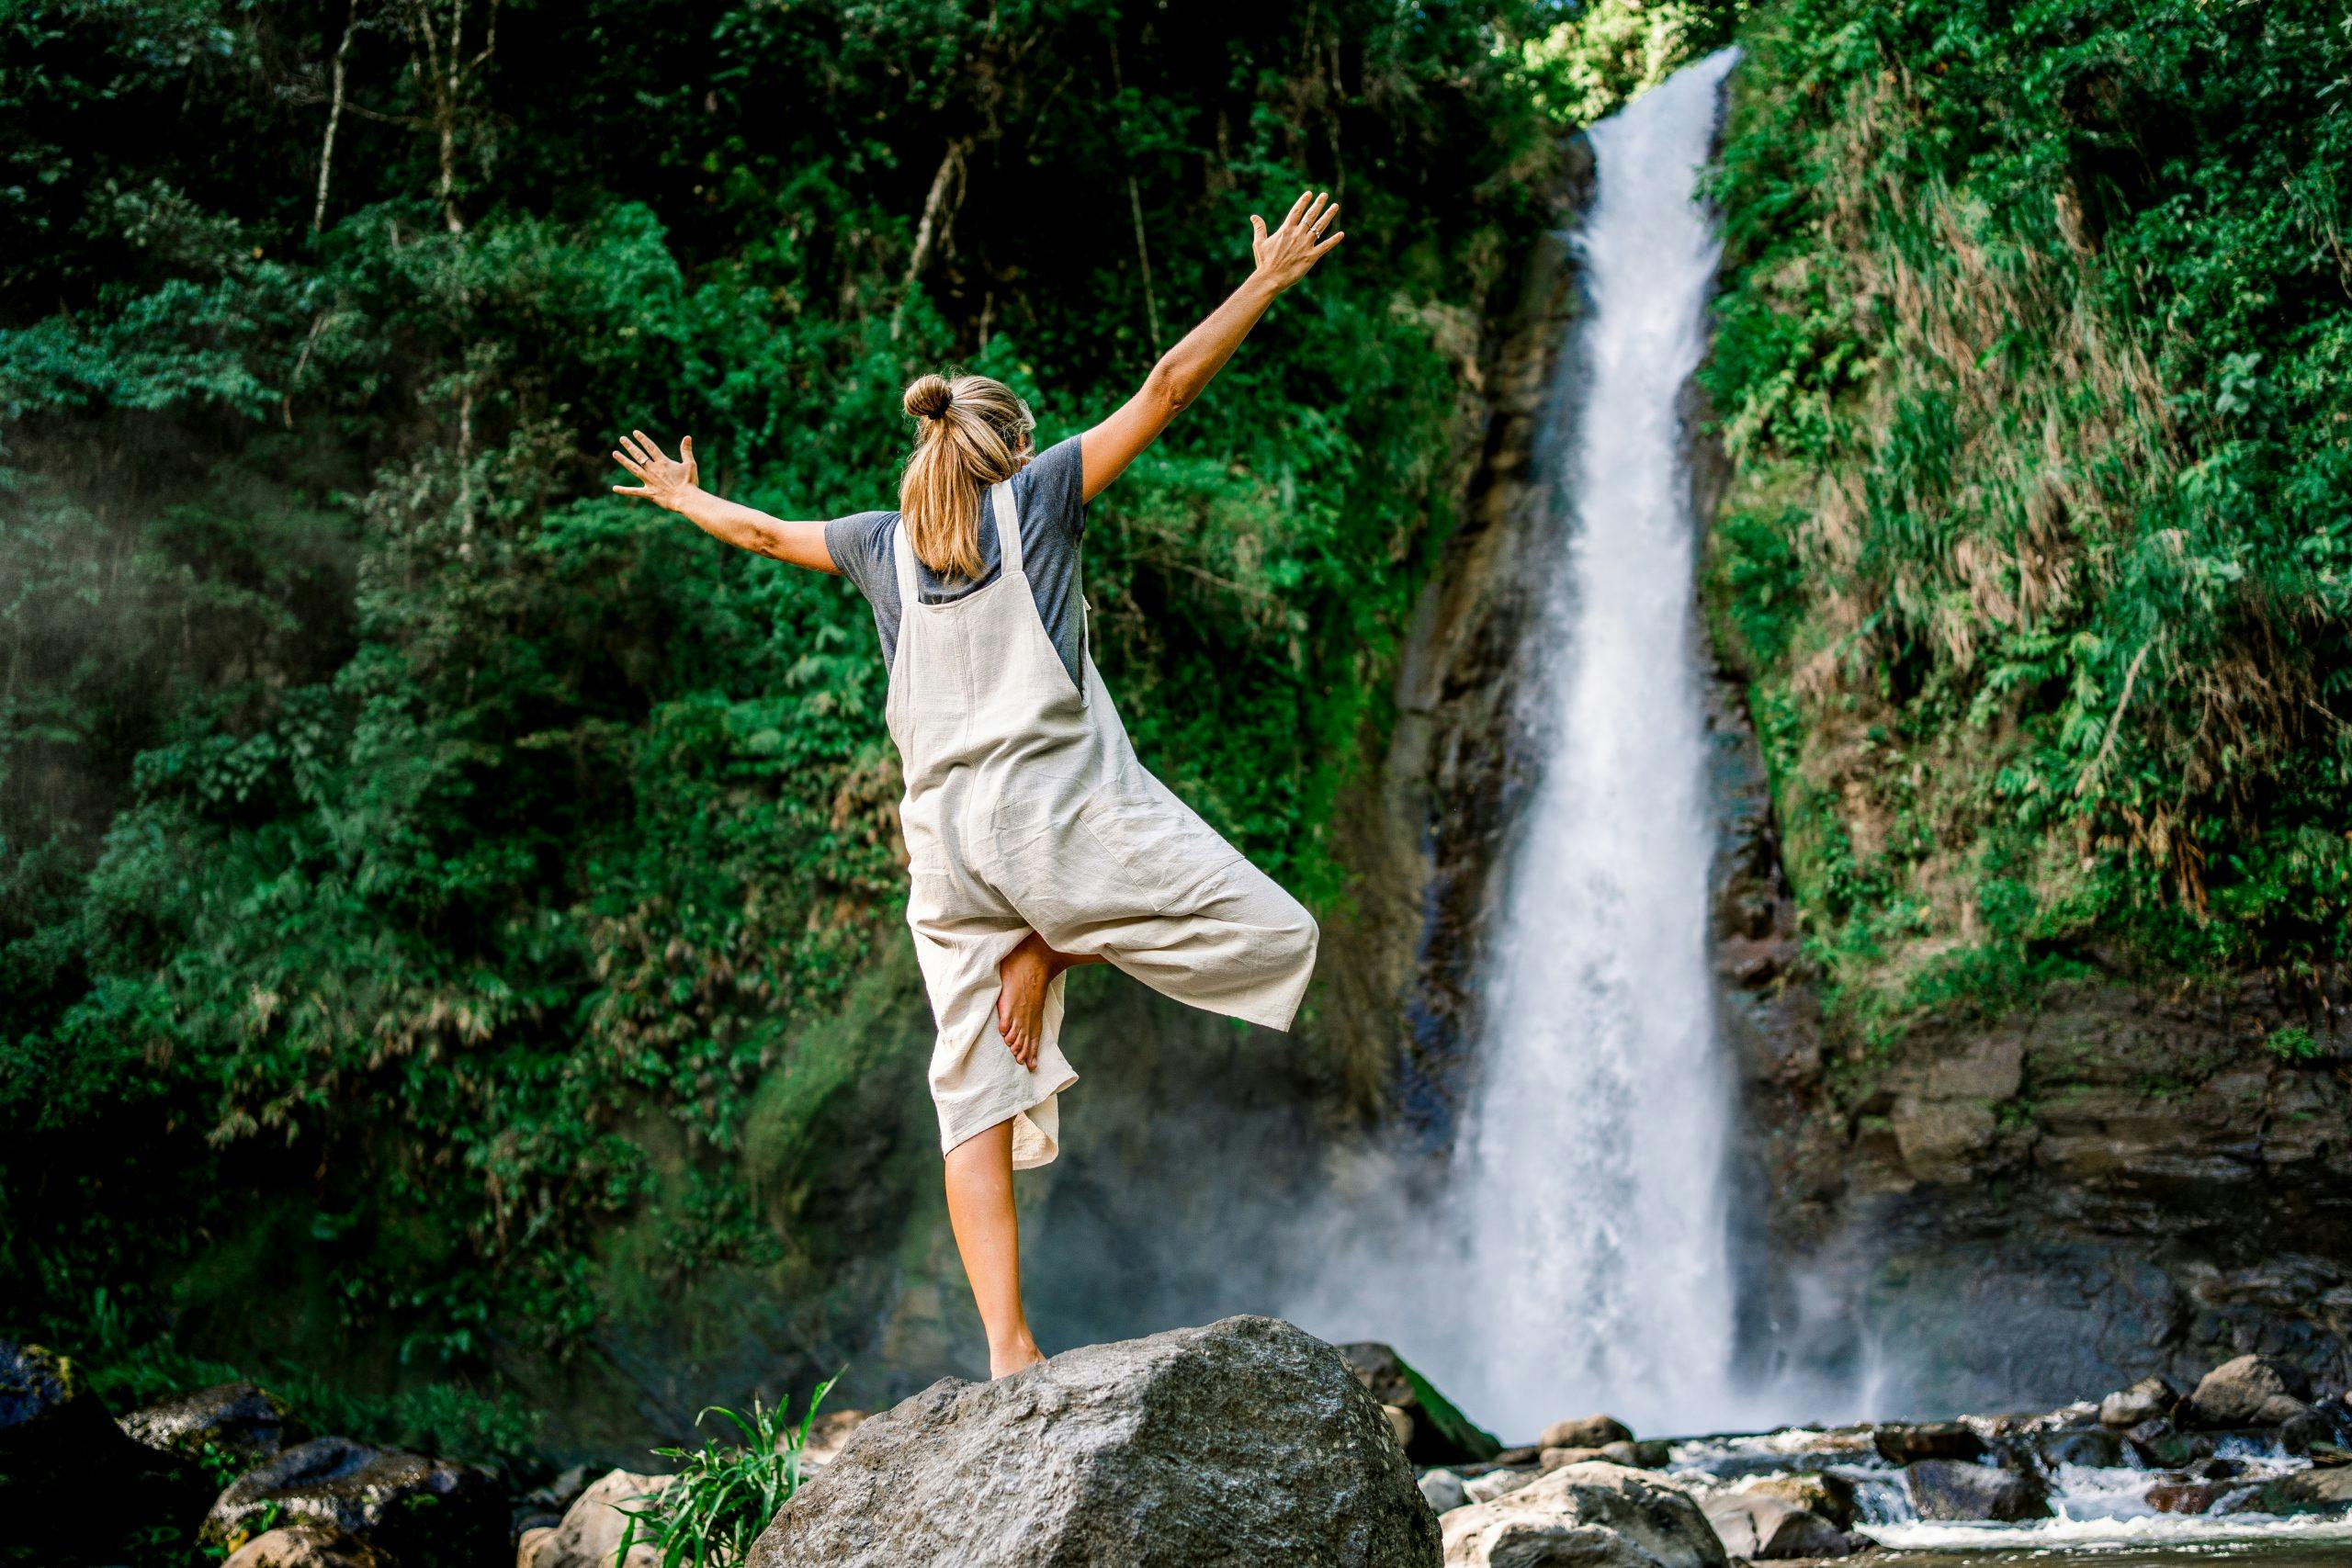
{"x":1013,"y":1357}
{"x":1022,"y":979}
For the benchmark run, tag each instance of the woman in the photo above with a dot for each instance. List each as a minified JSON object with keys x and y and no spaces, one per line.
{"x":1036,"y":840}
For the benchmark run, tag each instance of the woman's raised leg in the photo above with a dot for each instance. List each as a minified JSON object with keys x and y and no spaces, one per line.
{"x":988,"y":1235}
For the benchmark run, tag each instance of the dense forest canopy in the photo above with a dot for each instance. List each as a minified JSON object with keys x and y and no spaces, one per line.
{"x":2033,"y":360}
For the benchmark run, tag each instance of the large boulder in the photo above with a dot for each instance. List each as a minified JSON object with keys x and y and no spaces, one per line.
{"x":306,"y":1546}
{"x":1585,"y":1516}
{"x":1439,"y":1433}
{"x":1955,"y":1489}
{"x":72,"y":1486}
{"x":2150,"y":1399}
{"x":1246,"y":1441}
{"x":590,"y":1535}
{"x":2252,"y":1391}
{"x":240,"y":1421}
{"x":2309,"y":1491}
{"x":424,"y":1512}
{"x":1760,"y":1526}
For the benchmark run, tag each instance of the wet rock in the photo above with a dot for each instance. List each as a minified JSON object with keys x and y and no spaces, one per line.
{"x":241,"y":1420}
{"x":2252,"y":1391}
{"x":2185,"y":1496}
{"x":1900,"y":1443}
{"x":2307,"y":1490}
{"x":1245,"y":1441}
{"x":1586,"y":1515}
{"x":1585,"y":1432}
{"x":557,"y":1494}
{"x":2304,"y":1431}
{"x":1955,"y":1489}
{"x":2150,"y":1399}
{"x":1441,"y":1489}
{"x":2078,"y":1417}
{"x":1830,"y":1496}
{"x":306,"y":1546}
{"x":2096,"y":1447}
{"x":589,"y":1535}
{"x":1439,"y":1433}
{"x":1759,"y":1527}
{"x":424,"y":1512}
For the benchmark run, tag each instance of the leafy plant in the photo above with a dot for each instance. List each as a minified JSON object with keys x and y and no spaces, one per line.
{"x":723,"y":1495}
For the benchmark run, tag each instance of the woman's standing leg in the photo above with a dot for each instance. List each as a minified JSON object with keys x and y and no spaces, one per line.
{"x":988,"y":1235}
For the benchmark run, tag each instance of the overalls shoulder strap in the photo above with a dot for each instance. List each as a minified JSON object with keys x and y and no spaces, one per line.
{"x":1008,"y":524}
{"x":903,"y":558}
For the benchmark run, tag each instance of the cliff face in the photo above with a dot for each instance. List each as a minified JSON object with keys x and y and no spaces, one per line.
{"x":2123,"y":1175}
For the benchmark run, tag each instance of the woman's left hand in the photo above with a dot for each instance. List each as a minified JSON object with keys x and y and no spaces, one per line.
{"x":664,"y":483}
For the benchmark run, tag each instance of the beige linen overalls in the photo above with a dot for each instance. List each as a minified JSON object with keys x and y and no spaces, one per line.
{"x":1026,"y":809}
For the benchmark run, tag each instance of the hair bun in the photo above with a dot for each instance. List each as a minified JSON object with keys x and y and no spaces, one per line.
{"x":928,"y":395}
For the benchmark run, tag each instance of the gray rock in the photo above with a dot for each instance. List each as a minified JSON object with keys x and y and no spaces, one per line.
{"x":2150,"y":1399}
{"x":1759,"y":1527}
{"x":241,"y":1420}
{"x":1585,"y":1432}
{"x":1442,"y":1490}
{"x":2309,"y":1491}
{"x":1830,"y":1496}
{"x":2252,"y":1391}
{"x":1247,"y":1441}
{"x":73,"y":1487}
{"x":1438,"y":1433}
{"x":2099,"y":1448}
{"x":1498,"y":1484}
{"x":1586,"y":1515}
{"x":1955,"y":1489}
{"x":1906,"y":1443}
{"x":424,"y":1512}
{"x":590,"y":1533}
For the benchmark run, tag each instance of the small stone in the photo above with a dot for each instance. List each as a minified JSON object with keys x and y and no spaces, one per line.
{"x":1554,"y":1457}
{"x":2186,"y":1496}
{"x":2251,"y":1391}
{"x":1907,"y":1443}
{"x":240,"y":1420}
{"x":590,"y":1533}
{"x":2150,"y":1399}
{"x":1817,"y":1492}
{"x":1444,"y":1490}
{"x":1761,"y":1527}
{"x":1585,"y":1516}
{"x":1955,"y":1489}
{"x":1585,"y":1432}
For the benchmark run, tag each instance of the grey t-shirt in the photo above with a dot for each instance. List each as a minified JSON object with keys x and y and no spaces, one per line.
{"x":1049,"y":493}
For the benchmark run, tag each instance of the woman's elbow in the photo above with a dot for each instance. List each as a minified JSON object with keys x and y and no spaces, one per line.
{"x":1168,"y":389}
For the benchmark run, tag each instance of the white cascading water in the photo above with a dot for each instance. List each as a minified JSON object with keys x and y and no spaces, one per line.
{"x":1589,"y":1184}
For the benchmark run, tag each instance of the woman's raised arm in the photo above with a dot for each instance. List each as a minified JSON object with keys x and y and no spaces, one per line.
{"x":671,"y":486}
{"x":1283,"y":257}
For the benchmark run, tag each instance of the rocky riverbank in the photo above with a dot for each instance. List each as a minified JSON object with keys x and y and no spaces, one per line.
{"x":1246,"y":1440}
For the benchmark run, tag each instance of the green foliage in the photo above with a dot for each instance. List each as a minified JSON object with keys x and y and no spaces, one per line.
{"x":2031,"y":360}
{"x":1605,"y":51}
{"x":2294,"y":1044}
{"x":724,"y":1495}
{"x":419,"y":868}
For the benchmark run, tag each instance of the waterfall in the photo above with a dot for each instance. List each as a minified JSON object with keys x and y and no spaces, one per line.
{"x":1588,"y":1185}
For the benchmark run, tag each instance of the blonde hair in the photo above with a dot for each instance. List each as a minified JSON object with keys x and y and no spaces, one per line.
{"x":974,"y":430}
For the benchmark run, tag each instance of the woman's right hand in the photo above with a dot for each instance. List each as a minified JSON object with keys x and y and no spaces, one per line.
{"x":664,"y":483}
{"x":1291,"y":252}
